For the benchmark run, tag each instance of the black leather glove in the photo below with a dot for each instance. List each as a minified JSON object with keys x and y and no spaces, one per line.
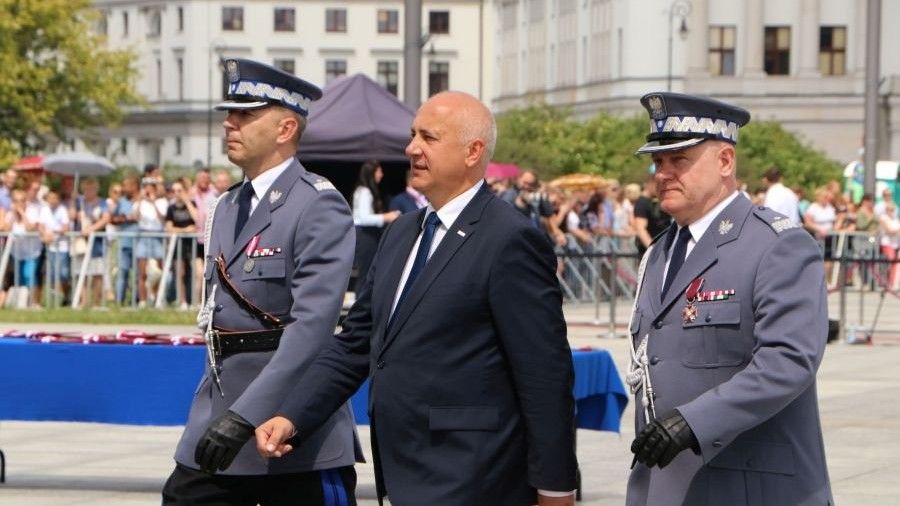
{"x":222,"y":441}
{"x":663,"y":439}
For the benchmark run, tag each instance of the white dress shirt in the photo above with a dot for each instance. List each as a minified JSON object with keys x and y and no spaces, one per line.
{"x":263,"y":182}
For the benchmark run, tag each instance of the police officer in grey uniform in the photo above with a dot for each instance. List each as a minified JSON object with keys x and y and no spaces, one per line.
{"x":729,"y":327}
{"x":278,"y":259}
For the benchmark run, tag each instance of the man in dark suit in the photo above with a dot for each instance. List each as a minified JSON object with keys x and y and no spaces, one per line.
{"x":279,"y":248}
{"x":459,"y":327}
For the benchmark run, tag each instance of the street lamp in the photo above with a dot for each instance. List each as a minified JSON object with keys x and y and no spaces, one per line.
{"x":678,"y":8}
{"x":214,"y":46}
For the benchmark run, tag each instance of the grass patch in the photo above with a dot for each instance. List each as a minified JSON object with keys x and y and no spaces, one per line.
{"x":103,"y":316}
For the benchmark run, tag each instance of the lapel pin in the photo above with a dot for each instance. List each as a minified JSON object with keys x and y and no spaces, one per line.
{"x":274,"y":195}
{"x":725,"y":226}
{"x":461,"y":233}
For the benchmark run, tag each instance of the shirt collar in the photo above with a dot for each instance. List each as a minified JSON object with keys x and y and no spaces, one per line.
{"x":451,"y":210}
{"x":698,"y":228}
{"x":263,"y":182}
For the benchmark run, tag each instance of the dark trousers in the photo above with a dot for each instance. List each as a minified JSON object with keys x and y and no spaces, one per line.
{"x":331,"y":487}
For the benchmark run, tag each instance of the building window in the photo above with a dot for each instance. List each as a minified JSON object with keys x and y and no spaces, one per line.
{"x":233,"y":19}
{"x":439,"y":22}
{"x":335,"y":20}
{"x":832,"y":50}
{"x":388,"y":21}
{"x":159,"y":85}
{"x":154,"y":23}
{"x":285,"y":64}
{"x":388,"y":72}
{"x":335,"y":69}
{"x":102,"y":23}
{"x":125,"y":24}
{"x":438,"y":77}
{"x":721,"y":50}
{"x":177,"y":145}
{"x":181,"y":19}
{"x":179,"y":67}
{"x":778,"y":50}
{"x":284,"y":19}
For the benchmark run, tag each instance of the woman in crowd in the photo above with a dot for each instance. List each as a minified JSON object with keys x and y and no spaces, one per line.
{"x":181,"y":217}
{"x":150,"y":211}
{"x":368,"y":217}
{"x":889,"y":226}
{"x":819,"y":219}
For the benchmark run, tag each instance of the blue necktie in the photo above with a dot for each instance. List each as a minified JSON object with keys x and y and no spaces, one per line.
{"x":678,"y":254}
{"x":431,"y":224}
{"x":244,"y":197}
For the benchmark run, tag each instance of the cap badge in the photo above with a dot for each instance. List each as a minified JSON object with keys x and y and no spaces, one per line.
{"x":725,"y":226}
{"x":231,"y":68}
{"x":657,"y":107}
{"x":274,"y":195}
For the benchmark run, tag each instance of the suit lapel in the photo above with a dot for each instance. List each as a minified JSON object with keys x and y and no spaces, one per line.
{"x":262,"y":215}
{"x":398,"y":253}
{"x":457,"y":235}
{"x":725,"y":227}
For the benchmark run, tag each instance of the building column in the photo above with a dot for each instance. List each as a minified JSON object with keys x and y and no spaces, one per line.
{"x":754,"y":30}
{"x":808,"y":38}
{"x":857,"y":37}
{"x":698,"y":39}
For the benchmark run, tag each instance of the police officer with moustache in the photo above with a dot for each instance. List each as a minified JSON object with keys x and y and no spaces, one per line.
{"x":729,"y":328}
{"x":279,"y":247}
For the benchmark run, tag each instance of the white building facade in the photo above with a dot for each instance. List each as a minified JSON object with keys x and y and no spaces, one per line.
{"x":800,"y":62}
{"x":180,"y":46}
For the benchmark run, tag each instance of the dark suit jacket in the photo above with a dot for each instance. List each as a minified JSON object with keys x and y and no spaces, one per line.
{"x":471,"y":388}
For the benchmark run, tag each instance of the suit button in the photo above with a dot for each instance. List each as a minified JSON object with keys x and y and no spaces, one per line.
{"x":708,"y":318}
{"x":380,"y":364}
{"x":717,"y":444}
{"x":657,"y":325}
{"x":654,"y":360}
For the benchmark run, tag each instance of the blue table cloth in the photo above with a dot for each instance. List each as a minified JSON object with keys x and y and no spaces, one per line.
{"x":153,"y":385}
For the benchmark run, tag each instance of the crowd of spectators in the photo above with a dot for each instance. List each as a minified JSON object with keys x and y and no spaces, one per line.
{"x":118,"y":240}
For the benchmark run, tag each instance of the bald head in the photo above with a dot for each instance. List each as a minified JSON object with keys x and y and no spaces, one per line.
{"x":472,"y":119}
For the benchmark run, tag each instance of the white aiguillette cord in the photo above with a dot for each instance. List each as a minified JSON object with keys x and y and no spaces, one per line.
{"x":208,"y":306}
{"x":638,"y":376}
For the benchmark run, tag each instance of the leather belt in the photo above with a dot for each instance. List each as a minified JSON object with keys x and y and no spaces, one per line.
{"x":226,"y":341}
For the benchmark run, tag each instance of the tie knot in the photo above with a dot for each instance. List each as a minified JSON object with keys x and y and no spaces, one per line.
{"x":684,"y":235}
{"x":432,"y":221}
{"x":246,"y":192}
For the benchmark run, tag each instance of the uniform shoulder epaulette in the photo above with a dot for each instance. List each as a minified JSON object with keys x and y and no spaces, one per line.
{"x":318,"y":182}
{"x":774,"y":219}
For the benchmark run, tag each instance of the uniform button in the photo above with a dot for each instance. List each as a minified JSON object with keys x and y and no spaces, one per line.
{"x":654,"y":360}
{"x":657,"y":325}
{"x":762,"y":208}
{"x":219,"y":307}
{"x":380,"y":364}
{"x":751,"y":463}
{"x":708,"y":318}
{"x":717,"y":444}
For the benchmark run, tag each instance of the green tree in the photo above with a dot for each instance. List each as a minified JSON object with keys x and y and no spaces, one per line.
{"x":763,"y":144}
{"x":57,"y":75}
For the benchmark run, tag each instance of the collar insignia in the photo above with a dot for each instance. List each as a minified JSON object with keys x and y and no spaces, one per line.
{"x":725,"y":226}
{"x":274,"y":195}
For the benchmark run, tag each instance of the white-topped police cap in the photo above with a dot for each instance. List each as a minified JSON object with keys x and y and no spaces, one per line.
{"x":679,"y":121}
{"x":252,"y":85}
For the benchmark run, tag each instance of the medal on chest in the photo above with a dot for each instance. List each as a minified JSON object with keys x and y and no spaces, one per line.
{"x":689,"y":313}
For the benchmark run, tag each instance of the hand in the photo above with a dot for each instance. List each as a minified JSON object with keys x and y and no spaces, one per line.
{"x":663,"y":439}
{"x":390,"y":216}
{"x":272,"y":435}
{"x":222,"y":442}
{"x":568,"y":500}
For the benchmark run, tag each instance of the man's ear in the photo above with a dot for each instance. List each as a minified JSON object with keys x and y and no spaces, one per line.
{"x":288,"y":127}
{"x":474,"y":152}
{"x":726,"y":160}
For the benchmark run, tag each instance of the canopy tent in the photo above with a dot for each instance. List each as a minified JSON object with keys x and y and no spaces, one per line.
{"x":355,"y":120}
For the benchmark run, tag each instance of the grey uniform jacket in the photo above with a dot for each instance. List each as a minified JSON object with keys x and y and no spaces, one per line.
{"x":743,"y":373}
{"x":304,"y":285}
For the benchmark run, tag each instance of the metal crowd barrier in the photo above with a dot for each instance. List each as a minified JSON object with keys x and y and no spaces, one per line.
{"x":52,"y":286}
